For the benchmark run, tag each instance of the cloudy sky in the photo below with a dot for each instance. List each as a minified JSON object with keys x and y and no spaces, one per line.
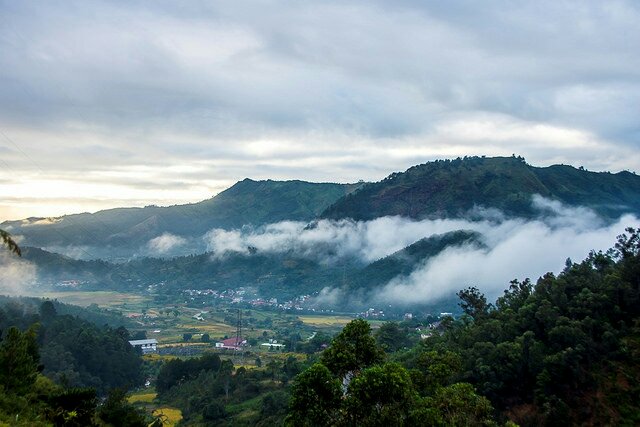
{"x":130,"y":103}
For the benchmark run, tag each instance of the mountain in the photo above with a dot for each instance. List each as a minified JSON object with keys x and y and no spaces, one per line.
{"x":451,"y":188}
{"x":272,"y":274}
{"x":246,"y":202}
{"x":404,"y":261}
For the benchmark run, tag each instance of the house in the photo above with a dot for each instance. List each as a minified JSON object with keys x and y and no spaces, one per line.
{"x":234,"y":343}
{"x":272,"y":344}
{"x":147,"y":346}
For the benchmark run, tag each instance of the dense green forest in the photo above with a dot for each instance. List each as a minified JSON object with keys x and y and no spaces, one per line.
{"x":562,"y":352}
{"x":55,"y":368}
{"x":449,"y":188}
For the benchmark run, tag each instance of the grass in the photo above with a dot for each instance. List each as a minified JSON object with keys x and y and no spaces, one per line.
{"x":251,"y":404}
{"x":156,"y":357}
{"x":321,"y":320}
{"x":142,"y":397}
{"x":170,"y":416}
{"x":101,"y":298}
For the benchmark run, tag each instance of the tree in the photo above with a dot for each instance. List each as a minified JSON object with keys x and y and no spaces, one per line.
{"x":19,"y":359}
{"x":455,"y":405}
{"x":10,"y":243}
{"x":47,"y":311}
{"x":391,"y":337}
{"x":473,"y":303}
{"x":315,"y":398}
{"x":352,"y":349}
{"x":117,"y":411}
{"x":380,"y":396}
{"x":205,"y":338}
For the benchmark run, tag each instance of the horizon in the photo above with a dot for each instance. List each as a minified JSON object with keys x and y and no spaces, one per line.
{"x":169,"y":203}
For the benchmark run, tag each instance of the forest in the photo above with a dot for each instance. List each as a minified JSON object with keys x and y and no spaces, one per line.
{"x":561,"y":352}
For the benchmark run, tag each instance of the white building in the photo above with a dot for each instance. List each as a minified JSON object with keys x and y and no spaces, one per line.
{"x":147,"y":346}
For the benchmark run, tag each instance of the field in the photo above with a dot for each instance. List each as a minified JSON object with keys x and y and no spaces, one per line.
{"x":181,"y":323}
{"x":170,"y":416}
{"x":106,"y":299}
{"x":142,"y":397}
{"x":325,"y":320}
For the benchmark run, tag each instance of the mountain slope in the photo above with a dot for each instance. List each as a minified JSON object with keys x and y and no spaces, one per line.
{"x":246,"y":202}
{"x":274,"y":274}
{"x":404,"y":261}
{"x":452,"y":188}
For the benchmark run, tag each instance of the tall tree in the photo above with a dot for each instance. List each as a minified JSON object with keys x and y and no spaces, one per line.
{"x":352,"y":349}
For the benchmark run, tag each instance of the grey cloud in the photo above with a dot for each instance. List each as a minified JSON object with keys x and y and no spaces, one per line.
{"x":98,"y":85}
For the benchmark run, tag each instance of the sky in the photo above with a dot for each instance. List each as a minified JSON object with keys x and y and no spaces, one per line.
{"x":129,"y":103}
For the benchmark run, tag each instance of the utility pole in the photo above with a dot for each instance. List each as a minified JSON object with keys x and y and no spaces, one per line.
{"x":239,"y":335}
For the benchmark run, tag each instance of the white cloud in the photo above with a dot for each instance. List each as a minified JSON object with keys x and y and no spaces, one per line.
{"x":17,"y":275}
{"x":165,"y":243}
{"x":522,"y":250}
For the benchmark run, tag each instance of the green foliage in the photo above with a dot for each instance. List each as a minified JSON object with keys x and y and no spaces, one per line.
{"x":352,"y":349}
{"x":454,"y":187}
{"x":315,"y":398}
{"x":562,"y":352}
{"x":71,"y":407}
{"x":364,"y":391}
{"x":69,"y":350}
{"x":211,"y":391}
{"x":454,"y":405}
{"x":28,"y":398}
{"x":19,"y":360}
{"x":117,"y":412}
{"x":381,"y":395}
{"x":391,"y":337}
{"x":541,"y":344}
{"x":473,"y":303}
{"x":175,"y":371}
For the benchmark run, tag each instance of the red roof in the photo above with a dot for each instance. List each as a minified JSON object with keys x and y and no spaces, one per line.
{"x":233,"y":342}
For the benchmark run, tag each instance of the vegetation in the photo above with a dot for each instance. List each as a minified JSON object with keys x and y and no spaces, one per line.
{"x":246,"y":202}
{"x":208,"y":390}
{"x":563,"y":352}
{"x":453,"y":187}
{"x":75,"y":352}
{"x":27,"y":398}
{"x":274,"y":275}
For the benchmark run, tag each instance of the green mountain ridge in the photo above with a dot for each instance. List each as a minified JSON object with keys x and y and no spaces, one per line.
{"x":246,"y":202}
{"x":451,"y":188}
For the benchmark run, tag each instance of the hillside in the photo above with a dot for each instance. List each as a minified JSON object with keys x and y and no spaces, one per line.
{"x":451,"y":188}
{"x":281,"y":275}
{"x":404,"y":261}
{"x":246,"y":202}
